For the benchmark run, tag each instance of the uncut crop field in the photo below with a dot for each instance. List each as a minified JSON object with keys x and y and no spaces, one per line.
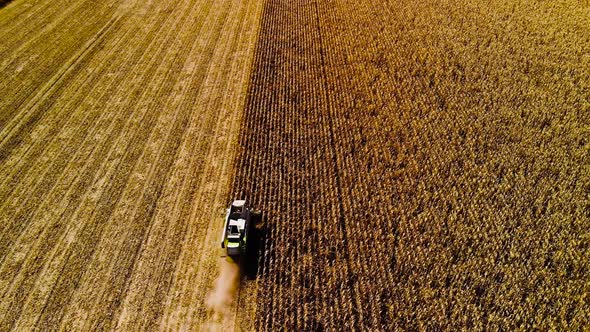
{"x":421,"y":165}
{"x":118,"y":126}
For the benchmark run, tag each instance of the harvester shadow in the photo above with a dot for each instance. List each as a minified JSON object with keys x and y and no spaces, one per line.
{"x":255,"y":250}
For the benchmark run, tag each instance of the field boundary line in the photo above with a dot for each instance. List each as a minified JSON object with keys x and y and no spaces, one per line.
{"x":30,"y":107}
{"x":229,"y":166}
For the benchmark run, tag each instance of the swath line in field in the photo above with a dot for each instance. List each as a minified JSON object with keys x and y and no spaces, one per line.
{"x":32,"y":299}
{"x":35,"y":155}
{"x":13,"y":130}
{"x":35,"y":29}
{"x":105,"y":252}
{"x":149,"y":112}
{"x":18,"y":210}
{"x":57,"y":120}
{"x":206,"y":88}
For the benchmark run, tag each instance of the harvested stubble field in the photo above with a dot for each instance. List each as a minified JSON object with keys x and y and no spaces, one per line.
{"x":423,"y":165}
{"x":118,"y":125}
{"x":420,"y":165}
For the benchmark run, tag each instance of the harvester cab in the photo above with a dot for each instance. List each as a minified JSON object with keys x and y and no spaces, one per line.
{"x":235,"y":230}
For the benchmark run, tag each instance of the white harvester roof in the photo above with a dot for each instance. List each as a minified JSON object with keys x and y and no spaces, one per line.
{"x":238,"y":203}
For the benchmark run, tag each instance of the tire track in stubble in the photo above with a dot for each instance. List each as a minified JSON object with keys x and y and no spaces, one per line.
{"x":57,"y":118}
{"x":64,"y":171}
{"x":57,"y":168}
{"x":16,"y":249}
{"x":20,"y":29}
{"x":13,"y":126}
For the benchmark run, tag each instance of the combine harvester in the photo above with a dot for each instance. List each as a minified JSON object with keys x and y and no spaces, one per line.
{"x":238,"y":223}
